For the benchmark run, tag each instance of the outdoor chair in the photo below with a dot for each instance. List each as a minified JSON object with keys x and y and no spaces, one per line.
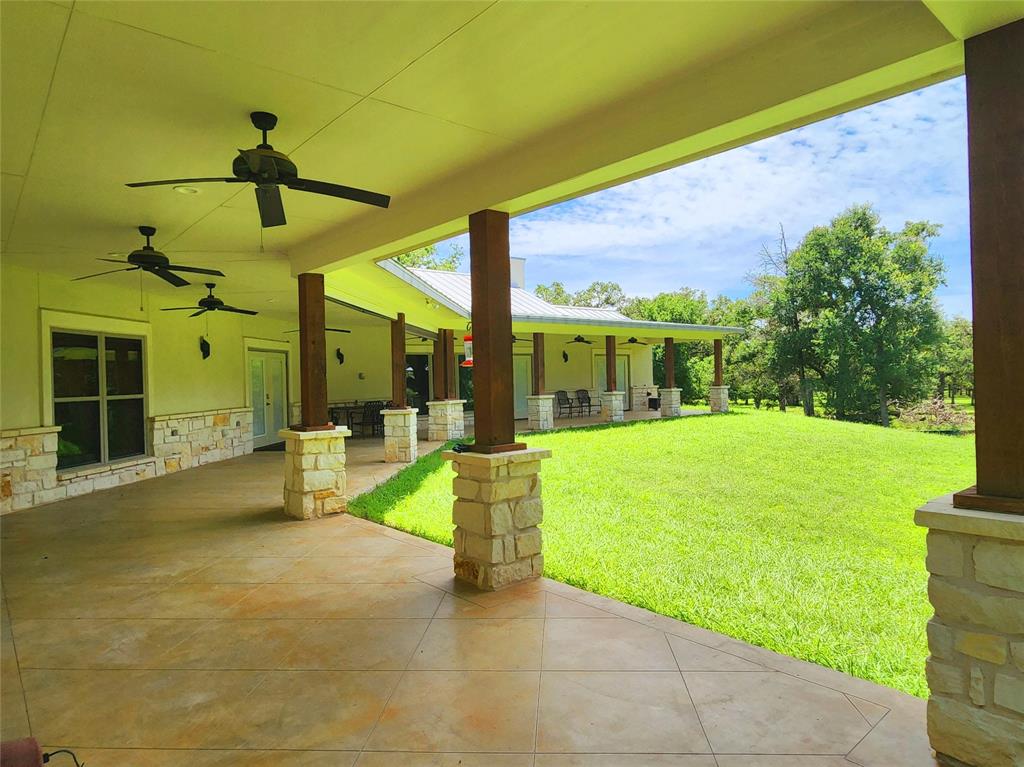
{"x":566,"y":405}
{"x":369,"y":418}
{"x":584,"y":401}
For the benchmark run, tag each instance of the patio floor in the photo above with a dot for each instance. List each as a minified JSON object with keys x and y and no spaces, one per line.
{"x":186,"y":612}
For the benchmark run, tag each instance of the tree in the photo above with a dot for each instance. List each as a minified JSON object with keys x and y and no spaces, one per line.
{"x":866,"y":299}
{"x":598,"y":295}
{"x":956,"y":368}
{"x":428,"y":258}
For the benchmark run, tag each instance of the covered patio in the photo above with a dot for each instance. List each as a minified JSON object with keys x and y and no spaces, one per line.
{"x":193,"y":624}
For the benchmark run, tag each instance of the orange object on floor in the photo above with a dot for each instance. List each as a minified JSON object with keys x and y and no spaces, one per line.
{"x":21,"y":753}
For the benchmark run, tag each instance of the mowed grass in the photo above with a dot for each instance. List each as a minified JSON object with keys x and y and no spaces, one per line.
{"x":788,"y":532}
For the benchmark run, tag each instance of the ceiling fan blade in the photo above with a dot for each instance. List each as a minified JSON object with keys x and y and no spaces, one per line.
{"x":231,"y":180}
{"x":179,"y":309}
{"x":329,"y":330}
{"x":268,"y":198}
{"x":196,"y":314}
{"x":100,"y":274}
{"x":193,"y":270}
{"x":337,"y":190}
{"x":226,"y":308}
{"x":114,"y":261}
{"x":170,"y":277}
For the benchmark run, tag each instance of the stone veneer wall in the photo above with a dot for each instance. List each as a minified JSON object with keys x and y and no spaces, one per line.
{"x":28,"y":467}
{"x":638,"y":396}
{"x":976,"y":639}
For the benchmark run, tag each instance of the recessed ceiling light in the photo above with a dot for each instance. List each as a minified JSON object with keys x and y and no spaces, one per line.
{"x":186,"y":190}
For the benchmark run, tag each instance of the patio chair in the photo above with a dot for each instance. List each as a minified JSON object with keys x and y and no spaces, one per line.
{"x":566,"y":405}
{"x":583,"y":398}
{"x":369,"y":418}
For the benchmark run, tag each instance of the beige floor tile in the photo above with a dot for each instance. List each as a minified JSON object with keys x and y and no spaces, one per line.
{"x":13,"y":713}
{"x":691,"y":656}
{"x":624,"y":760}
{"x":358,"y":644}
{"x":870,"y":711}
{"x":70,"y":600}
{"x":603,"y":644}
{"x":790,"y":760}
{"x":773,"y":713}
{"x":889,"y":742}
{"x":368,"y":546}
{"x":484,"y":645}
{"x":561,"y":607}
{"x":235,"y":644}
{"x":455,"y":607}
{"x":189,"y":600}
{"x":314,"y":710}
{"x":241,"y":570}
{"x":100,"y":757}
{"x":109,"y":643}
{"x":617,"y":712}
{"x":382,"y":759}
{"x":388,"y":569}
{"x":459,"y":711}
{"x":325,"y":600}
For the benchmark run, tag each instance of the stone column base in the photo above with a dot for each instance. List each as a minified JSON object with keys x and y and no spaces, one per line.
{"x":540,"y":411}
{"x":976,"y":638}
{"x":719,"y":399}
{"x":671,"y":402}
{"x":446,"y":420}
{"x":613,"y":406}
{"x":496,"y":513}
{"x":314,"y":472}
{"x":400,"y":435}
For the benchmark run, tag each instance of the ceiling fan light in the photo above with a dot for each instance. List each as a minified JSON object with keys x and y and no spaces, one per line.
{"x":186,"y":190}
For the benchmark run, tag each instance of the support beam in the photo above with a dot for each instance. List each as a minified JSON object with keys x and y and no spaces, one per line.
{"x":398,"y":362}
{"x":609,"y":363}
{"x":492,"y":332}
{"x":719,"y":379}
{"x":994,"y":68}
{"x":538,"y":363}
{"x":312,"y":354}
{"x":452,"y":374}
{"x":670,"y":363}
{"x":439,"y":386}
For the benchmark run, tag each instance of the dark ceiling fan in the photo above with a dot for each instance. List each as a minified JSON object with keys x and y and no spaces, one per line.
{"x":209,"y":303}
{"x":268,"y":169}
{"x":579,"y":340}
{"x":329,"y":330}
{"x":149,"y":259}
{"x":632,"y":341}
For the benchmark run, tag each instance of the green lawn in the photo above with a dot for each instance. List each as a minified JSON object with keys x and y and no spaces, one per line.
{"x":792,"y":533}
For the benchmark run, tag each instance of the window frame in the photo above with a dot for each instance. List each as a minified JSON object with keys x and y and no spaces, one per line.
{"x":102,"y":398}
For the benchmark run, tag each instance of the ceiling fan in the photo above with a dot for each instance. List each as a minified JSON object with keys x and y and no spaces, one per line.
{"x":632,"y":341}
{"x":149,"y":259}
{"x":329,"y":330}
{"x":268,"y":169}
{"x":579,"y":340}
{"x":209,"y":303}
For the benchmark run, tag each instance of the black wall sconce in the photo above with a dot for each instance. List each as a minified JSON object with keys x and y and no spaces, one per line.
{"x":340,"y":355}
{"x":204,"y":347}
{"x":565,"y":356}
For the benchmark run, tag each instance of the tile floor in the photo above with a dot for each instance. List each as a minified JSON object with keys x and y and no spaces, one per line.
{"x":185,"y":621}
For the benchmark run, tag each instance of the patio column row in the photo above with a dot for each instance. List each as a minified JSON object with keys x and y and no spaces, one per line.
{"x":446,"y":419}
{"x":540,"y":407}
{"x":400,"y":445}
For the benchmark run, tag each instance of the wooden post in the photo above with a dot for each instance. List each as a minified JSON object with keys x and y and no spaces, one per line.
{"x":398,"y":362}
{"x":719,"y":380}
{"x":538,"y":363}
{"x":609,"y":363}
{"x":440,"y":369}
{"x":312,"y":354}
{"x":994,"y":68}
{"x":451,"y":365}
{"x":670,"y":363}
{"x":492,"y":332}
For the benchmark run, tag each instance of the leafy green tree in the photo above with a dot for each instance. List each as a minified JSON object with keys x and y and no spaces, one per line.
{"x":866,"y":299}
{"x":555,"y":293}
{"x":598,"y":295}
{"x":429,"y":258}
{"x":956,"y":367}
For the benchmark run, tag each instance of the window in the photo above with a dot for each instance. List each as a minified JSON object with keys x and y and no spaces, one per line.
{"x":98,"y":398}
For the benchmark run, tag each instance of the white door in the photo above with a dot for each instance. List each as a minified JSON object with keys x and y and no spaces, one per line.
{"x":522,"y":379}
{"x":268,"y":373}
{"x":621,"y":374}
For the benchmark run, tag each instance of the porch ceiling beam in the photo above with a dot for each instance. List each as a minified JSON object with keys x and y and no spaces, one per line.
{"x":312,"y":354}
{"x":994,"y":64}
{"x":490,"y":277}
{"x":398,"y":362}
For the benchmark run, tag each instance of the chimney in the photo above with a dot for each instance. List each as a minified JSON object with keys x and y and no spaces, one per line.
{"x":518,"y":272}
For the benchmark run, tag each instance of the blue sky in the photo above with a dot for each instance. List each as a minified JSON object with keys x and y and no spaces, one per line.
{"x":702,"y":225}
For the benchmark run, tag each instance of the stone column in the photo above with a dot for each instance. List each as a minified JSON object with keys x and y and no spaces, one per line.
{"x":400,"y":435}
{"x":314,"y":472}
{"x":540,"y":411}
{"x":28,"y":468}
{"x":976,"y":638}
{"x":496,"y":514}
{"x":719,"y":399}
{"x":613,"y":406}
{"x":671,"y":400}
{"x":446,"y":421}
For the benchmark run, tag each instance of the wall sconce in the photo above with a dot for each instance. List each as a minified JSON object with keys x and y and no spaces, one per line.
{"x":204,"y":347}
{"x":340,"y":355}
{"x":565,"y":356}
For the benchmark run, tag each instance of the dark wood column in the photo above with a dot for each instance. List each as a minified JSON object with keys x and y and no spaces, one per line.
{"x":670,"y":363}
{"x":538,"y":363}
{"x":609,"y":363}
{"x":994,"y":66}
{"x":718,"y":362}
{"x":440,"y":369}
{"x":398,"y":361}
{"x":312,"y":354}
{"x":451,"y":365}
{"x":492,"y":332}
